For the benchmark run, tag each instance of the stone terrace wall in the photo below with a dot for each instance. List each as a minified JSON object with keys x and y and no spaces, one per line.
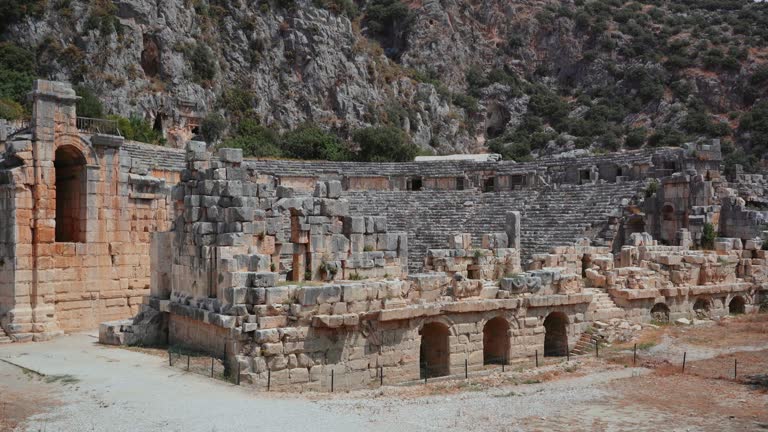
{"x":452,"y":168}
{"x":549,"y":216}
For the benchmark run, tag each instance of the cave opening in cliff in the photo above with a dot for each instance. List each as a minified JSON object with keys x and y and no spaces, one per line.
{"x":496,"y":121}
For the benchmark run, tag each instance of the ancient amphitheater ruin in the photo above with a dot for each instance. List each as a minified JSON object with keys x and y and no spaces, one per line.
{"x":291,"y":269}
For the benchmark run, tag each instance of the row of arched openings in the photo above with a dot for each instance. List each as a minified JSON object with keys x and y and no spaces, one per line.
{"x":701,"y":308}
{"x":435,"y":355}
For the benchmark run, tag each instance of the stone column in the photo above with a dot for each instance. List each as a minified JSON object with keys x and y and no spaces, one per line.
{"x":512,"y":228}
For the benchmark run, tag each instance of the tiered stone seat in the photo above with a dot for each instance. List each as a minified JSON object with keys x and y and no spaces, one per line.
{"x":550,"y":217}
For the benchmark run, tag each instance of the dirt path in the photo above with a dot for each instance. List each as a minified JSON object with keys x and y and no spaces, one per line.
{"x":89,"y":387}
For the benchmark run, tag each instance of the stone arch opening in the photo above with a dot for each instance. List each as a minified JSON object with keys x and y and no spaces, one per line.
{"x":668,"y":212}
{"x":586,"y":263}
{"x":702,"y":307}
{"x":71,"y":203}
{"x":556,"y":335}
{"x":496,"y":121}
{"x":660,"y":312}
{"x":495,"y":341}
{"x":434,"y":353}
{"x":737,"y":306}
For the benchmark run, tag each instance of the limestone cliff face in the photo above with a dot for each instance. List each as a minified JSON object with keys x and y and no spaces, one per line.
{"x":172,"y":60}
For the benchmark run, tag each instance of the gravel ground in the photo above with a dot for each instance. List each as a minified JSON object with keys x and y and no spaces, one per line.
{"x":82,"y":386}
{"x":107,"y":389}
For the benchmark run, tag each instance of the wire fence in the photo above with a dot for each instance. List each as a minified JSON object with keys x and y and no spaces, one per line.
{"x":741,"y":367}
{"x":200,"y":364}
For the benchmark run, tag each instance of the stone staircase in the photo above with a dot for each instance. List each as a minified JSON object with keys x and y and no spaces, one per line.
{"x":602,"y":307}
{"x":586,"y":343}
{"x":4,"y":338}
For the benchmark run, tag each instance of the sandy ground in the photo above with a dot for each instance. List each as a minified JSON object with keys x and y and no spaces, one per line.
{"x":73,"y":384}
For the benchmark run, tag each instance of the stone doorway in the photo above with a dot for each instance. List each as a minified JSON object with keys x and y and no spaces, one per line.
{"x":496,"y":341}
{"x":660,"y":313}
{"x":702,"y":308}
{"x":434,"y":355}
{"x":556,"y":335}
{"x":737,"y":306}
{"x":71,"y":203}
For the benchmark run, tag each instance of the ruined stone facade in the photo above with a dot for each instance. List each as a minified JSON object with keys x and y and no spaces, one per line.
{"x":77,"y":217}
{"x":297,"y":271}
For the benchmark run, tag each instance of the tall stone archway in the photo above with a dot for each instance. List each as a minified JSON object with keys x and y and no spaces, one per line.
{"x":434,"y":353}
{"x":496,"y":341}
{"x":556,"y":335}
{"x":71,"y":204}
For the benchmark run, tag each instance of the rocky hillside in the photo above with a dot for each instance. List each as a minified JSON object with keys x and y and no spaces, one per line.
{"x":524,"y":78}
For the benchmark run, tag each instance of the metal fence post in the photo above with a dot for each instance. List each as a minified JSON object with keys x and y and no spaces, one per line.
{"x":684,"y":354}
{"x":187,"y":362}
{"x":537,"y":358}
{"x":238,"y":371}
{"x":466,"y":368}
{"x":503,"y":362}
{"x":634,"y":356}
{"x":170,"y":363}
{"x":332,"y":380}
{"x":426,"y":371}
{"x":735,"y":366}
{"x":597,"y":349}
{"x":381,"y":376}
{"x":269,"y":379}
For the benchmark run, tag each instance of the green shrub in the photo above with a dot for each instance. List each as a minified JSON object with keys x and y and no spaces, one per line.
{"x":666,"y":137}
{"x":708,"y":236}
{"x":237,"y":101}
{"x":13,"y":11}
{"x":203,"y":63}
{"x":17,"y":72}
{"x":389,"y":21}
{"x":89,"y":104}
{"x":384,"y":144}
{"x":11,"y":110}
{"x":212,"y":127}
{"x":310,"y":142}
{"x":255,"y":140}
{"x":755,"y":123}
{"x":760,"y":76}
{"x":635,"y":138}
{"x":652,"y":188}
{"x":136,"y":128}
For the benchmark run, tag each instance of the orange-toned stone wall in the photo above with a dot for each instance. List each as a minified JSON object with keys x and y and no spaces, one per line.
{"x":71,"y":286}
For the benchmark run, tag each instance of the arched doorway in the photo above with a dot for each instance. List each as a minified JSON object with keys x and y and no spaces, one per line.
{"x":434,"y":354}
{"x":495,"y":341}
{"x":71,"y":205}
{"x":660,"y":313}
{"x":701,"y":308}
{"x":556,"y":335}
{"x":586,"y":263}
{"x":737,"y":306}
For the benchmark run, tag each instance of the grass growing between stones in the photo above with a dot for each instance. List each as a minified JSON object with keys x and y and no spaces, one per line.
{"x":61,"y":379}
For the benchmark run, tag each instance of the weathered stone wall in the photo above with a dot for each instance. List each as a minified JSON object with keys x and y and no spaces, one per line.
{"x":7,"y":250}
{"x":88,"y":261}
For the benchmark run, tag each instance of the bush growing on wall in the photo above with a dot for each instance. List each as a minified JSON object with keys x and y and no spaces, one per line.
{"x":708,"y":236}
